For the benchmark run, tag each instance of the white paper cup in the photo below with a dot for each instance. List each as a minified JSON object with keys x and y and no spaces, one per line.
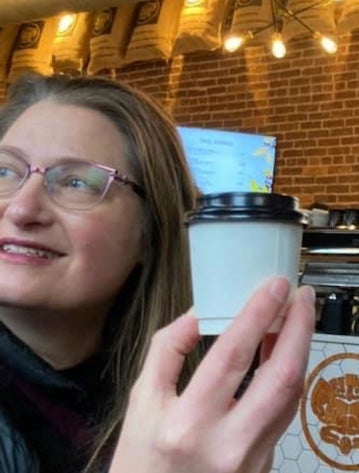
{"x":237,"y":242}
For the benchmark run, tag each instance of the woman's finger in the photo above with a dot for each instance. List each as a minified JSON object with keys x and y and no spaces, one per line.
{"x":277,"y":386}
{"x":223,"y":368}
{"x":166,"y":355}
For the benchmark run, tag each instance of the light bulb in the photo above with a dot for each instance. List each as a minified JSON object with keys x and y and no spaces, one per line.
{"x":232,"y":43}
{"x":329,"y":45}
{"x":278,"y":47}
{"x":65,"y":24}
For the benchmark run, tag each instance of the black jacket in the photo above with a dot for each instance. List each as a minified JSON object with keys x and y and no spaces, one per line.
{"x":48,"y":418}
{"x":15,"y":457}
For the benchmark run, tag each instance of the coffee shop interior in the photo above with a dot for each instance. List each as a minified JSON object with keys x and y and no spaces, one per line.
{"x":283,"y":72}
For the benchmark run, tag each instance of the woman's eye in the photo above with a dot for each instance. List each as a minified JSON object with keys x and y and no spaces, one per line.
{"x":76,"y":183}
{"x":7,"y":173}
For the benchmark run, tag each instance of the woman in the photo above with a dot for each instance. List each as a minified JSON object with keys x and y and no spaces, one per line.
{"x":93,"y":262}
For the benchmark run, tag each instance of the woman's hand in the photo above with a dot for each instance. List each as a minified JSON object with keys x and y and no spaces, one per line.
{"x":205,"y":430}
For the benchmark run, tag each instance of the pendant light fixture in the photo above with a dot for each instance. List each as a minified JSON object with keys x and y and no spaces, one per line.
{"x":282,"y":18}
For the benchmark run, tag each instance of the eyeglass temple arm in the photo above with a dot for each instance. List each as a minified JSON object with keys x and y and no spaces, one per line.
{"x":138,"y":189}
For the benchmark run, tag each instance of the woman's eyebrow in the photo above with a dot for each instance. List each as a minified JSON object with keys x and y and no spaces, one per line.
{"x":22,"y":154}
{"x":15,"y":150}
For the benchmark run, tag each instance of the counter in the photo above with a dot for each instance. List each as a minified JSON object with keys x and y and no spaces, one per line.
{"x":324,"y":435}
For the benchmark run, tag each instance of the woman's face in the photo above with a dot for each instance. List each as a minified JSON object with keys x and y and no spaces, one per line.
{"x":87,"y":254}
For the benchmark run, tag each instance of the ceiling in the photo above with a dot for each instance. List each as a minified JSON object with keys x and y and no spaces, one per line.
{"x":18,"y":11}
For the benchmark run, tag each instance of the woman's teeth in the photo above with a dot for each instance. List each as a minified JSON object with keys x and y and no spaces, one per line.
{"x":25,"y":250}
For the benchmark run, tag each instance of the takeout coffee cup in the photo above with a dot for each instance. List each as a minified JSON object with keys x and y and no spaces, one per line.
{"x":238,"y":241}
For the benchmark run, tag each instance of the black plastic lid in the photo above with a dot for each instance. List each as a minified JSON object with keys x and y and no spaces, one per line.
{"x":247,"y":205}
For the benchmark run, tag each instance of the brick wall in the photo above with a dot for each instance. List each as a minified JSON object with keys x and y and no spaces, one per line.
{"x":309,"y":101}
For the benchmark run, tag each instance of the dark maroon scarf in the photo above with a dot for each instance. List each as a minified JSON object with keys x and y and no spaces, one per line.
{"x":55,"y":411}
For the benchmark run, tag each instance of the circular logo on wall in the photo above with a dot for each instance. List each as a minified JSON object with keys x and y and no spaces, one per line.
{"x":149,"y":12}
{"x":29,"y":35}
{"x":103,"y":22}
{"x":329,"y":411}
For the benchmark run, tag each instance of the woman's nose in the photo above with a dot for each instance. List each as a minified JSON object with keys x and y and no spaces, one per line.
{"x":29,"y":205}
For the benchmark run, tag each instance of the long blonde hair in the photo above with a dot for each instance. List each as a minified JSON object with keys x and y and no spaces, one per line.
{"x":160,"y":289}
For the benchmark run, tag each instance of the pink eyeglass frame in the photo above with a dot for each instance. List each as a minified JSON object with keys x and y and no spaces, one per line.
{"x":113,"y":174}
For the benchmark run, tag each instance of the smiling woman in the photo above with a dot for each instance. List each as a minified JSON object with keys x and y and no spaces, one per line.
{"x":94,"y":269}
{"x":111,"y":232}
{"x":79,"y":247}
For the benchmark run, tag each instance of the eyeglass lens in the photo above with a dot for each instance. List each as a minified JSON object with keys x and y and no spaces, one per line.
{"x":76,"y":185}
{"x":72,"y":185}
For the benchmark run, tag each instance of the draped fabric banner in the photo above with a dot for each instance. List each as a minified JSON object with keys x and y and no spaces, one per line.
{"x":71,"y":46}
{"x":319,"y":18}
{"x":7,"y":39}
{"x":252,"y":15}
{"x":20,"y":11}
{"x":200,"y":25}
{"x":155,"y":30}
{"x":33,"y":48}
{"x":110,"y":35}
{"x":349,"y":19}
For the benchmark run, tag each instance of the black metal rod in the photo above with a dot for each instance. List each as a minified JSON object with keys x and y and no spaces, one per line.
{"x":288,"y":14}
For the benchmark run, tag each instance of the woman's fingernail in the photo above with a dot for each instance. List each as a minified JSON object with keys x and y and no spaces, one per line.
{"x":280,"y":289}
{"x":308,"y":293}
{"x":190,"y":312}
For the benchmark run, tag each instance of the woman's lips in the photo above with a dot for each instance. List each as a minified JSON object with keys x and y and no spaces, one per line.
{"x":14,"y":249}
{"x":27,"y":251}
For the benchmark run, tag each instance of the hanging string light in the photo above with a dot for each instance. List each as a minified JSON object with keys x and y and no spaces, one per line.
{"x":234,"y":42}
{"x":280,"y":15}
{"x":65,"y":23}
{"x":329,"y":44}
{"x":277,"y":47}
